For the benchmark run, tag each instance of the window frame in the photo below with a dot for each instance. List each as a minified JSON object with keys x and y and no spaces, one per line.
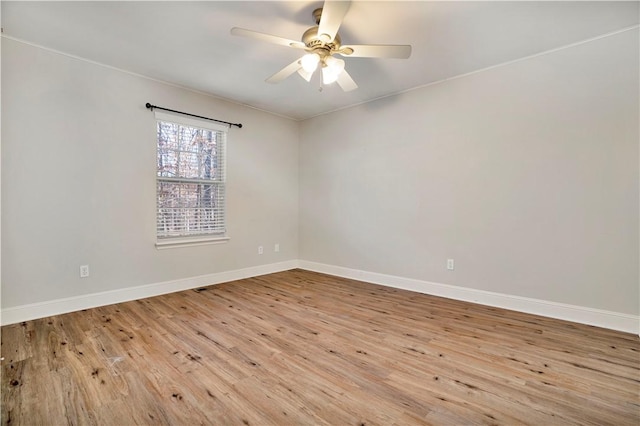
{"x":200,"y":238}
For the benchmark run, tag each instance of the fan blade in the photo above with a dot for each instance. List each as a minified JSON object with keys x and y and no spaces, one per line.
{"x":267,"y":37}
{"x":305,"y":74}
{"x":345,"y":82}
{"x":332,"y":15}
{"x":285,"y":72}
{"x":376,"y":51}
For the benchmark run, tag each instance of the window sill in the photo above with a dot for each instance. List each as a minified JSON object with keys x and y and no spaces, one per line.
{"x":189,"y":242}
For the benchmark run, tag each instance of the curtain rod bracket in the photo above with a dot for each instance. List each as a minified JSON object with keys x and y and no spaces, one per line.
{"x":151,"y":107}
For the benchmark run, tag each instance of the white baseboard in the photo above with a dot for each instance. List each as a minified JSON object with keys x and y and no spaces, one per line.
{"x":70,"y":304}
{"x":597,"y":317}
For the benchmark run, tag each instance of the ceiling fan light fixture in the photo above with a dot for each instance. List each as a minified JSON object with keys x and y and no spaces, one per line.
{"x":329,"y":76}
{"x":305,"y":74}
{"x":331,"y":69}
{"x":321,"y":42}
{"x":310,"y":62}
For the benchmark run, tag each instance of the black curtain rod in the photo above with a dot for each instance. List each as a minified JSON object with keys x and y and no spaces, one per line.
{"x":151,"y":107}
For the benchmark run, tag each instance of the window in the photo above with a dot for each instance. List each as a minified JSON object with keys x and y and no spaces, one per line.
{"x":190,"y":180}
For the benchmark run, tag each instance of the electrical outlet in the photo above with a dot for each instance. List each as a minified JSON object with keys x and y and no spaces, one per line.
{"x":276,"y":248}
{"x":84,"y":271}
{"x":450,"y":264}
{"x":260,"y":249}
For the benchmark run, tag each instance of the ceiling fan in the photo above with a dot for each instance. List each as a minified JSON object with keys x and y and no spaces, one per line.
{"x":321,"y":43}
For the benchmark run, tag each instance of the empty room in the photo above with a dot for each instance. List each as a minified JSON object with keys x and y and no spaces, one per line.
{"x":320,"y":212}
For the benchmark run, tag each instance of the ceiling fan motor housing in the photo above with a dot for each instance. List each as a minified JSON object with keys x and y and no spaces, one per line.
{"x":313,"y":42}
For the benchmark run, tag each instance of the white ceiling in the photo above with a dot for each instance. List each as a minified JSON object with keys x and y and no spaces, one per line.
{"x":188,"y":43}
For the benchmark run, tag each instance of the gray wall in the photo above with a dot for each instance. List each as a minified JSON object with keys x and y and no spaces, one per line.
{"x":525,"y":174}
{"x":78,"y":180}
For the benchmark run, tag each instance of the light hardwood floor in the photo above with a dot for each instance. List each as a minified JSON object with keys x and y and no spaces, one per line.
{"x":304,"y":348}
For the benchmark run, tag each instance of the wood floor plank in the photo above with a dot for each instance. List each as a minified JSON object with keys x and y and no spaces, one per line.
{"x":304,"y":348}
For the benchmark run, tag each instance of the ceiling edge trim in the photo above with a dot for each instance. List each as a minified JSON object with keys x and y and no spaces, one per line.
{"x":502,"y":64}
{"x":146,"y":77}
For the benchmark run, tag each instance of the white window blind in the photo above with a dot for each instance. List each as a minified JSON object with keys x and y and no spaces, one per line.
{"x":190,"y":177}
